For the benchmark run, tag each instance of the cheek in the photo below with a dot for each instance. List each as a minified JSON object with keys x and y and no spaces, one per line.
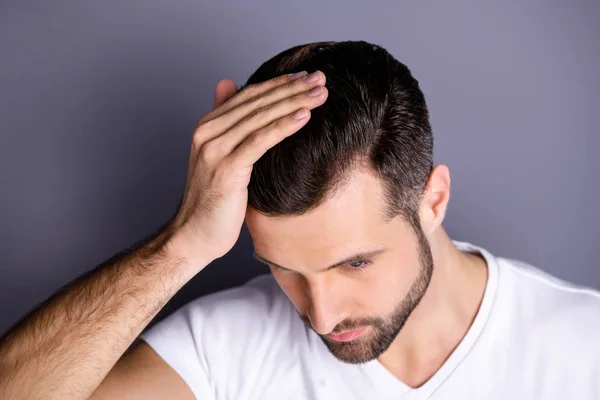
{"x":391,"y":284}
{"x":378,"y":295}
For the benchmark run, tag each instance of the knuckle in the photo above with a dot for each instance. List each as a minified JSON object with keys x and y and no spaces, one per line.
{"x":277,"y":124}
{"x":202,"y":120}
{"x":199,"y":137}
{"x":258,"y":113}
{"x":281,"y":79}
{"x":295,"y":99}
{"x":208,"y":152}
{"x":292,"y":85}
{"x":256,"y":99}
{"x":211,"y":147}
{"x":258,"y":139}
{"x":251,"y":90}
{"x":204,"y":157}
{"x":204,"y":126}
{"x":197,"y":141}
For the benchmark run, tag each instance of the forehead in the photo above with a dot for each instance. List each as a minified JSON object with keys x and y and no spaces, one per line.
{"x":351,"y":220}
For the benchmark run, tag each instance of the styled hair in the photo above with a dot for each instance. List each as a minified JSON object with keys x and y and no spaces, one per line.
{"x":375,"y":116}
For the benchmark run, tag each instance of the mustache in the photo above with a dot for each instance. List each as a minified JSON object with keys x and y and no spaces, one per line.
{"x":349,"y":324}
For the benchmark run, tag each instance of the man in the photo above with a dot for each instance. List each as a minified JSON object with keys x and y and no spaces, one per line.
{"x":368,"y":297}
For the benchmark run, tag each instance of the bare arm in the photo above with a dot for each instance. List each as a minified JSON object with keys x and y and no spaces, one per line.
{"x":142,"y":375}
{"x":67,"y":346}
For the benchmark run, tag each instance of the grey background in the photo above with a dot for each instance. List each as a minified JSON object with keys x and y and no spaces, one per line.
{"x":98,"y":101}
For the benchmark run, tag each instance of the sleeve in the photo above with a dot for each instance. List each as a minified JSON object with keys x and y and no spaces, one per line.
{"x":215,"y":342}
{"x":173,"y":339}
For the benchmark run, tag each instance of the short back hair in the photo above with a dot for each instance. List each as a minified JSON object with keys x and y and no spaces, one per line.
{"x":375,"y":116}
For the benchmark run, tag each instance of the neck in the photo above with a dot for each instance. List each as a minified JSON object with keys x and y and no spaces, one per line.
{"x":443,"y":316}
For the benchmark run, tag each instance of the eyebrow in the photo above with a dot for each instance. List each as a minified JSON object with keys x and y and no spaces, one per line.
{"x":367,"y":255}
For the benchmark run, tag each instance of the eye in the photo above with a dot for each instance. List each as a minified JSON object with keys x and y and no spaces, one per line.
{"x":361,"y":264}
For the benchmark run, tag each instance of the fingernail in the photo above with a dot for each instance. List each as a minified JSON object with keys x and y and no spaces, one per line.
{"x":297,"y":75}
{"x":300,"y":114}
{"x":314,"y":92}
{"x":312,"y":77}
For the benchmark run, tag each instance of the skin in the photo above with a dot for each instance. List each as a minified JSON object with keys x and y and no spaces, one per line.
{"x":414,"y":317}
{"x":74,"y":344}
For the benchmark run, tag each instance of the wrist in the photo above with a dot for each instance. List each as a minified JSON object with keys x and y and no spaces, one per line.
{"x":189,"y":253}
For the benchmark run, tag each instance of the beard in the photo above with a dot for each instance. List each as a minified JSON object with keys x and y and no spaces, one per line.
{"x":384,"y":330}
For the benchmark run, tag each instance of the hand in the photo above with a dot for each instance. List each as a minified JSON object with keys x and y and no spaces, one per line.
{"x":226,"y":143}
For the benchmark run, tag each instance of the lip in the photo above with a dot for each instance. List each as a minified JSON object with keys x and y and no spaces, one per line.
{"x":347,"y":336}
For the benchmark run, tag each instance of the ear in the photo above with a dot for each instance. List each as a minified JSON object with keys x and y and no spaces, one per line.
{"x":225,"y":89}
{"x":434,"y":202}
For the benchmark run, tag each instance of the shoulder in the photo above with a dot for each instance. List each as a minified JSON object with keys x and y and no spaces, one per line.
{"x":243,"y":316}
{"x":215,"y":340}
{"x":547,"y":291}
{"x":558,"y":314}
{"x":235,"y":313}
{"x":260,"y":297}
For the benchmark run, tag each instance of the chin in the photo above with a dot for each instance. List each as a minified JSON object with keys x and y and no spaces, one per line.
{"x":358,"y":351}
{"x":351,"y":353}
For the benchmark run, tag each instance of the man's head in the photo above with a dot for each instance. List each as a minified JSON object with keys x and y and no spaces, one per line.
{"x":356,"y":180}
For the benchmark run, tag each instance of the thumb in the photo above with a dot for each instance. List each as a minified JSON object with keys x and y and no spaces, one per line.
{"x":225,"y":89}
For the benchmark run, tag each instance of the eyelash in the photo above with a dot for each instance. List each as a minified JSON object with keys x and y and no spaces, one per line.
{"x":364,"y":265}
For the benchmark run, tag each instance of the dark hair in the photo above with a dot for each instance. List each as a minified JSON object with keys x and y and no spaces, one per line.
{"x":375,"y":116}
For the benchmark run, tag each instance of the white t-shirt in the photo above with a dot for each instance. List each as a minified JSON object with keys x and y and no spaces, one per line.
{"x":534,"y":337}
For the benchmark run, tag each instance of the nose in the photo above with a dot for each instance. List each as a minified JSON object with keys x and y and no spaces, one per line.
{"x":325,"y":306}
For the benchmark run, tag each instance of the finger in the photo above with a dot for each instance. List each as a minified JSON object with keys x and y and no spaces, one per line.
{"x":233,"y":137}
{"x":224,"y":90}
{"x":270,"y":97}
{"x":258,"y":89}
{"x":258,"y":105}
{"x":251,"y":91}
{"x":255,"y":146}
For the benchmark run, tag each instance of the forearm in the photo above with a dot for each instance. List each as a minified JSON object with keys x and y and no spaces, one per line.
{"x":69,"y":344}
